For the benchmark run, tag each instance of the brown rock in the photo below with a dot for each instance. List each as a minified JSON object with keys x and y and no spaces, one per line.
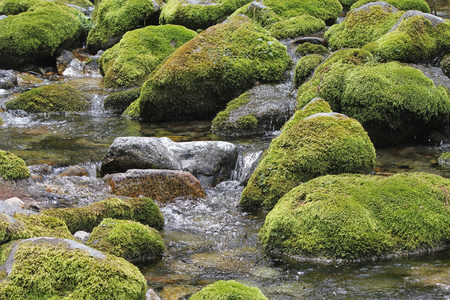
{"x":74,"y":171}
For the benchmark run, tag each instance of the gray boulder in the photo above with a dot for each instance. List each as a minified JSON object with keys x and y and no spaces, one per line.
{"x":8,"y":79}
{"x":435,"y":20}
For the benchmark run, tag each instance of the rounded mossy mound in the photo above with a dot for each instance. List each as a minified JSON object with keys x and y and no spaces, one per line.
{"x":420,"y":5}
{"x":199,"y":78}
{"x":198,"y":14}
{"x":142,"y":210}
{"x":309,"y":48}
{"x":228,"y":290}
{"x":360,"y":216}
{"x":12,"y":166}
{"x":36,"y":30}
{"x":128,"y":239}
{"x":111,"y":19}
{"x":296,"y":26}
{"x":121,"y":100}
{"x":50,"y":98}
{"x":51,"y":268}
{"x":139,"y":52}
{"x":305,"y":67}
{"x":444,"y":159}
{"x":362,"y":25}
{"x":311,"y":144}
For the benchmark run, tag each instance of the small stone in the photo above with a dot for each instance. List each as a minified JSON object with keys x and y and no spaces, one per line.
{"x":82,"y":236}
{"x":151,"y":295}
{"x":14,"y":201}
{"x":74,"y":171}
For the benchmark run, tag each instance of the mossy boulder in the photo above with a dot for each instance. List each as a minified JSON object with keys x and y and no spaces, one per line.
{"x":198,"y":14}
{"x":259,"y":13}
{"x":305,"y":67}
{"x":50,"y":98}
{"x":12,"y":166}
{"x":139,"y":52}
{"x":142,"y":210}
{"x":228,"y":290}
{"x":128,"y":239}
{"x":311,"y":144}
{"x":445,"y":65}
{"x":309,"y":48}
{"x":111,"y":19}
{"x":417,"y":37}
{"x":36,"y":30}
{"x":199,"y":78}
{"x":420,"y":5}
{"x":51,"y":268}
{"x":444,"y":159}
{"x":119,"y":101}
{"x":296,"y":26}
{"x":360,"y":216}
{"x":363,"y":25}
{"x":394,"y":103}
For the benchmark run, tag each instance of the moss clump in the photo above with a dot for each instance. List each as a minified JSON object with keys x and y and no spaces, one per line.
{"x":445,"y":65}
{"x":128,"y":239}
{"x":228,"y":290}
{"x":305,"y":67}
{"x":50,"y":98}
{"x":220,"y":63}
{"x":444,"y":159}
{"x":362,"y":26}
{"x":296,"y":26}
{"x":308,"y":48}
{"x":261,"y":14}
{"x":416,"y":39}
{"x":197,"y":15}
{"x":48,"y":268}
{"x":323,"y":143}
{"x":221,"y":123}
{"x":111,"y":19}
{"x":121,"y":100}
{"x":12,"y":167}
{"x":420,"y":5}
{"x":139,"y":52}
{"x":142,"y":210}
{"x":356,"y":216}
{"x":36,"y":30}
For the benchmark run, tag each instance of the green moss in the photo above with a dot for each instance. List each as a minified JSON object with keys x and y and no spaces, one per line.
{"x":313,"y":146}
{"x":54,"y":269}
{"x":415,"y":40}
{"x":347,"y":3}
{"x":356,"y":216}
{"x":80,"y":3}
{"x":262,"y":15}
{"x":121,"y":100}
{"x":296,"y":26}
{"x":220,"y":122}
{"x":220,"y":63}
{"x":1,"y":122}
{"x":12,"y":167}
{"x":405,"y":5}
{"x":50,"y":98}
{"x":197,"y":15}
{"x":308,"y":48}
{"x":133,"y":110}
{"x":305,"y":67}
{"x":228,"y":290}
{"x":142,"y":210}
{"x":361,"y":27}
{"x":444,"y":159}
{"x":111,"y":19}
{"x":445,"y":65}
{"x":36,"y":30}
{"x":128,"y":239}
{"x":139,"y":52}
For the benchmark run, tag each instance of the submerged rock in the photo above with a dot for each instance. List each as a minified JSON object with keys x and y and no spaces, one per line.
{"x":228,"y":290}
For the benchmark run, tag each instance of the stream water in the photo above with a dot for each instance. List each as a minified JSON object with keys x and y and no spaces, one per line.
{"x":212,"y":239}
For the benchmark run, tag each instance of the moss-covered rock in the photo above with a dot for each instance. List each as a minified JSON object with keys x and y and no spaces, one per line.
{"x":1,"y":122}
{"x":259,"y":13}
{"x":357,"y":216}
{"x":12,"y":167}
{"x":420,"y":5}
{"x":200,"y":77}
{"x":309,"y":48}
{"x":363,"y":25}
{"x":312,"y":144}
{"x":198,"y":14}
{"x":444,"y":159}
{"x":305,"y":67}
{"x":142,"y":210}
{"x":128,"y":239}
{"x":296,"y":26}
{"x":36,"y":30}
{"x":394,"y":103}
{"x":111,"y":19}
{"x":445,"y":65}
{"x":50,"y":98}
{"x":417,"y":37}
{"x":228,"y":290}
{"x":50,"y":268}
{"x":139,"y":52}
{"x":121,"y":100}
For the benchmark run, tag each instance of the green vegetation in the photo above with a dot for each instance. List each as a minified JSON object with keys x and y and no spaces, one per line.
{"x":1,"y":122}
{"x":444,"y":159}
{"x":311,"y":144}
{"x":357,"y":216}
{"x":445,"y":65}
{"x":50,"y":98}
{"x":305,"y":67}
{"x":142,"y":210}
{"x":261,"y":14}
{"x":296,"y":26}
{"x":121,"y":100}
{"x":228,"y":290}
{"x":420,"y":5}
{"x":12,"y":167}
{"x":139,"y":52}
{"x":128,"y":239}
{"x":308,"y":48}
